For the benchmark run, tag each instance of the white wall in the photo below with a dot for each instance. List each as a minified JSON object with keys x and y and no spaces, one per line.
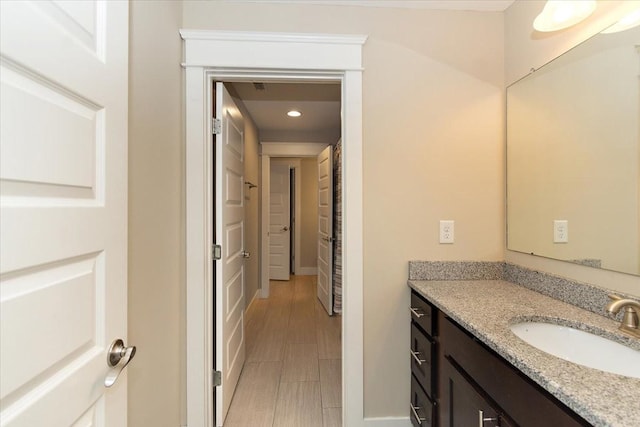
{"x":156,"y":278}
{"x":526,"y":49}
{"x":433,"y":149}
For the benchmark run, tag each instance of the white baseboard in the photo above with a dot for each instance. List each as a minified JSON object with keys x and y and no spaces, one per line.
{"x":307,"y":271}
{"x":387,"y":422}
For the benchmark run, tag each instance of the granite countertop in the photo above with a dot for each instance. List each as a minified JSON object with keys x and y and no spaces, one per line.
{"x":487,"y":308}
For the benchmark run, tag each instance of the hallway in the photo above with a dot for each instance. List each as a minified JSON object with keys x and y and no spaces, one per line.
{"x":292,"y":373}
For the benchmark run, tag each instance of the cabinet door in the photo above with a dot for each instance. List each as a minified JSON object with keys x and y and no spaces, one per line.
{"x":462,"y":404}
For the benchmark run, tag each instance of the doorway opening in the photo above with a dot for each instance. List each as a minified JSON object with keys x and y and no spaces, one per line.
{"x":229,"y":55}
{"x":288,"y":330}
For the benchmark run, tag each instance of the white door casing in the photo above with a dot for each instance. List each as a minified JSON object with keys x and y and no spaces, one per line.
{"x":279,"y":232}
{"x":269,"y":56}
{"x":325,"y":229}
{"x":229,"y":229}
{"x":63,"y":220}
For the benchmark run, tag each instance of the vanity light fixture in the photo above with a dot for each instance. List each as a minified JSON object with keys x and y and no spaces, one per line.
{"x":630,"y":20}
{"x":294,"y":113}
{"x":560,"y":14}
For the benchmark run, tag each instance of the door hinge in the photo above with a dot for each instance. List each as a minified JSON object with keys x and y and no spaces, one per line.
{"x":216,"y":378}
{"x":216,"y":252}
{"x":216,"y":126}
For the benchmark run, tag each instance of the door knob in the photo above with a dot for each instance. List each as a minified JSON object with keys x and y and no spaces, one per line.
{"x":246,"y":254}
{"x":285,"y":228}
{"x":118,"y":357}
{"x":328,"y":239}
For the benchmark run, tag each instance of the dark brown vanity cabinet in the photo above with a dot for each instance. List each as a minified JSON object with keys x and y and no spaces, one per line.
{"x":423,"y":367}
{"x":457,"y":381}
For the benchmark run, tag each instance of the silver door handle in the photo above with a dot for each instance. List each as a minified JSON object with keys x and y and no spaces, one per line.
{"x":415,"y":355}
{"x":246,"y":254}
{"x":482,"y":419}
{"x":414,"y":411}
{"x":285,"y":228}
{"x":328,"y":239}
{"x":118,"y":357}
{"x":415,"y":312}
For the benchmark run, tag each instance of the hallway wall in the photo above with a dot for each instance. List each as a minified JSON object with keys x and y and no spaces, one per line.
{"x":309,"y":220}
{"x":251,"y":200}
{"x":433,"y":149}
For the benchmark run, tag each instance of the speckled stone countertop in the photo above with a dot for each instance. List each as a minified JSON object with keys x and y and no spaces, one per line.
{"x":487,"y":308}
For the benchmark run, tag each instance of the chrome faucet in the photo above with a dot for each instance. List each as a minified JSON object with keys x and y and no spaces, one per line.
{"x":630,"y":323}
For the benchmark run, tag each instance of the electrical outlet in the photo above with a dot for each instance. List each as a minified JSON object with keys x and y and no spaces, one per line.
{"x":560,"y":231}
{"x":446,"y":231}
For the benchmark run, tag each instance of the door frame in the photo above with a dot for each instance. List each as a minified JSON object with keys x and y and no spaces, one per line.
{"x":228,"y":55}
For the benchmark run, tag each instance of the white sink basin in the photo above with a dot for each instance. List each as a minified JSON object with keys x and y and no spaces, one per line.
{"x":580,"y":347}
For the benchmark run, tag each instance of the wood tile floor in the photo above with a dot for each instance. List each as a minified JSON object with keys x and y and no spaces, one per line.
{"x":293,"y":370}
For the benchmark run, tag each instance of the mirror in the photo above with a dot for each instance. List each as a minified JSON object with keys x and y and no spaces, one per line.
{"x":573,"y":156}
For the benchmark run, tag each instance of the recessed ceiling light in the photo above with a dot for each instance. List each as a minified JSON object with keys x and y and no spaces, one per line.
{"x":294,"y":113}
{"x":560,"y":14}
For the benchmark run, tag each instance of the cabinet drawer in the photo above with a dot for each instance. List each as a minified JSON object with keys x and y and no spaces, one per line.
{"x":421,"y":359}
{"x":421,"y":409}
{"x":421,"y":313}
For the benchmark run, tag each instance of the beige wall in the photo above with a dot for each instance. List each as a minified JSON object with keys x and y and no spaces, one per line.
{"x":309,"y":215}
{"x":524,"y":50}
{"x":156,"y":302}
{"x":433,"y":149}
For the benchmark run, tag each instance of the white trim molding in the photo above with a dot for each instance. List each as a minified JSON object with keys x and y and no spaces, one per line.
{"x":307,"y":271}
{"x":225,"y":55}
{"x":387,"y":422}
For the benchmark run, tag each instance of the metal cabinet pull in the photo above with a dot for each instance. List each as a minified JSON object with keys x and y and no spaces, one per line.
{"x":118,"y":357}
{"x":414,"y":311}
{"x":415,"y":355}
{"x":482,"y":419}
{"x":414,"y":411}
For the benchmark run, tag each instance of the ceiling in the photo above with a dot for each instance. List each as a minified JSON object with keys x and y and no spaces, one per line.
{"x":268,"y":105}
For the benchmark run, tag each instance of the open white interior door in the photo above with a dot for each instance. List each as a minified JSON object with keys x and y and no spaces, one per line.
{"x":229,"y":233}
{"x":63,"y":219}
{"x":279,"y":237}
{"x":325,"y":228}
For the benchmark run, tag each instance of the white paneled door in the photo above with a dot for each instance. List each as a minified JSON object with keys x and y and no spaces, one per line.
{"x":325,"y":228}
{"x":229,"y":229}
{"x":63,"y":219}
{"x":279,"y":212}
